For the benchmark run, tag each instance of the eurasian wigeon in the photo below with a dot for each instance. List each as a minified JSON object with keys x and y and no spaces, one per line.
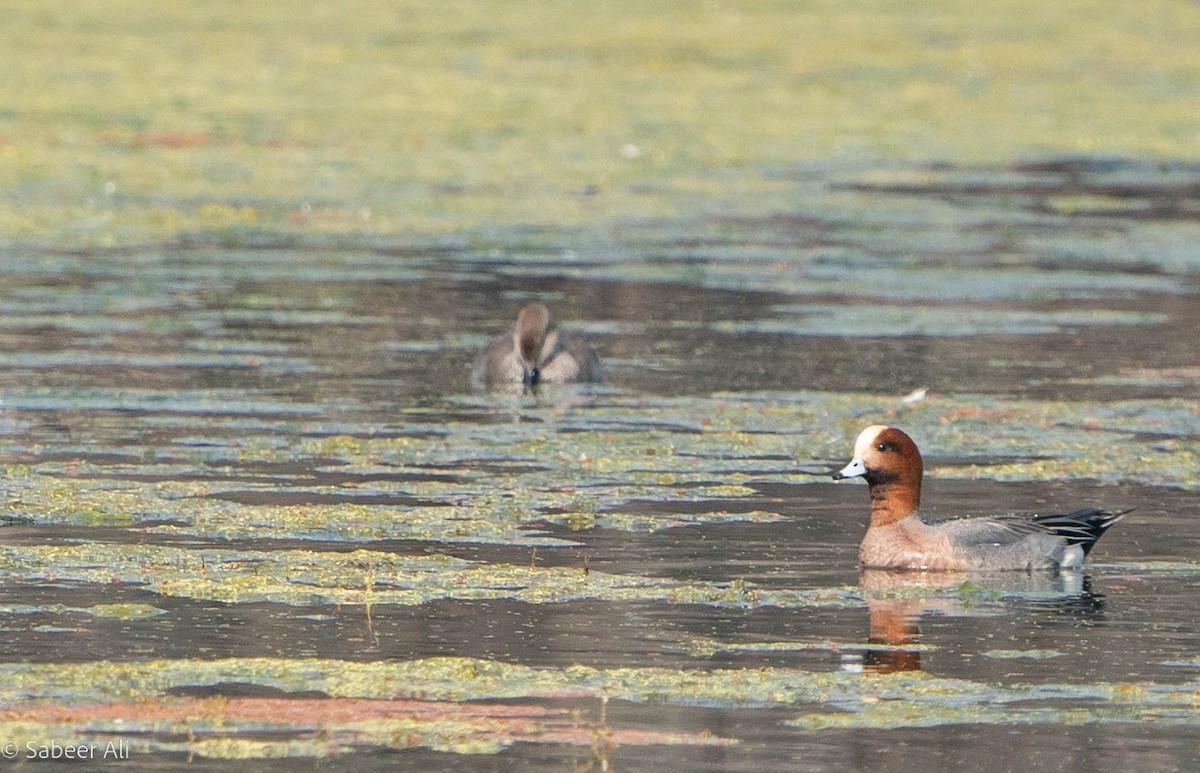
{"x":536,"y":352}
{"x":897,"y":538}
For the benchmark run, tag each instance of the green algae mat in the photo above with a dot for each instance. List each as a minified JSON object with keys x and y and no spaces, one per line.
{"x":254,"y":511}
{"x":128,"y":124}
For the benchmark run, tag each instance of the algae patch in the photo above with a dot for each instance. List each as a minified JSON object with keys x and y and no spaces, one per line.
{"x":697,"y":460}
{"x":361,"y":577}
{"x":1017,"y":654}
{"x":443,"y":703}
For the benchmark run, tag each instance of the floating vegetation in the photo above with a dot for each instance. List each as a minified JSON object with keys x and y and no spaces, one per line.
{"x":261,"y":728}
{"x":369,"y":578}
{"x":894,"y":321}
{"x":911,"y":290}
{"x":700,"y":460}
{"x":1017,"y":654}
{"x":130,"y":611}
{"x":442,"y":703}
{"x":710,"y":647}
{"x":192,"y":402}
{"x":1152,"y":377}
{"x":86,"y":359}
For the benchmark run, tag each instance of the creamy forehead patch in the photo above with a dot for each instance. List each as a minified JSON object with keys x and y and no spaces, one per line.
{"x":866,"y":439}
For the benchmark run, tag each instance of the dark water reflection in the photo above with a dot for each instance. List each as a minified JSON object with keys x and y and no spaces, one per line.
{"x":147,"y":370}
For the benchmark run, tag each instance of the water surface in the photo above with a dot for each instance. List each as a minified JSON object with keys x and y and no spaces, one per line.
{"x":257,"y":510}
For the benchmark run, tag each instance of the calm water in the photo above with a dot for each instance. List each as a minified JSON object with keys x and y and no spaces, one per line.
{"x":280,"y":409}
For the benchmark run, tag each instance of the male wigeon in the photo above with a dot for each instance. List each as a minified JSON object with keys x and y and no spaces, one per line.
{"x":535,"y":352}
{"x":897,"y":538}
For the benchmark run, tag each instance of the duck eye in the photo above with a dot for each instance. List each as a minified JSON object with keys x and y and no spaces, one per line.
{"x":882,"y":447}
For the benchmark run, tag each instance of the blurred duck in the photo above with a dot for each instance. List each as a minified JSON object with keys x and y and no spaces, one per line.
{"x":536,"y":352}
{"x":897,"y":538}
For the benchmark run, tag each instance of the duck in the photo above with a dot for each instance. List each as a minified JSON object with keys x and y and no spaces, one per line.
{"x":536,"y":352}
{"x":898,"y":538}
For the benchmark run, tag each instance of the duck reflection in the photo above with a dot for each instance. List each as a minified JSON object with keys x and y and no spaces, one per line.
{"x":897,"y":599}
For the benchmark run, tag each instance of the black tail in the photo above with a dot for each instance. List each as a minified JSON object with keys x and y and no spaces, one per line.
{"x":1082,"y":527}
